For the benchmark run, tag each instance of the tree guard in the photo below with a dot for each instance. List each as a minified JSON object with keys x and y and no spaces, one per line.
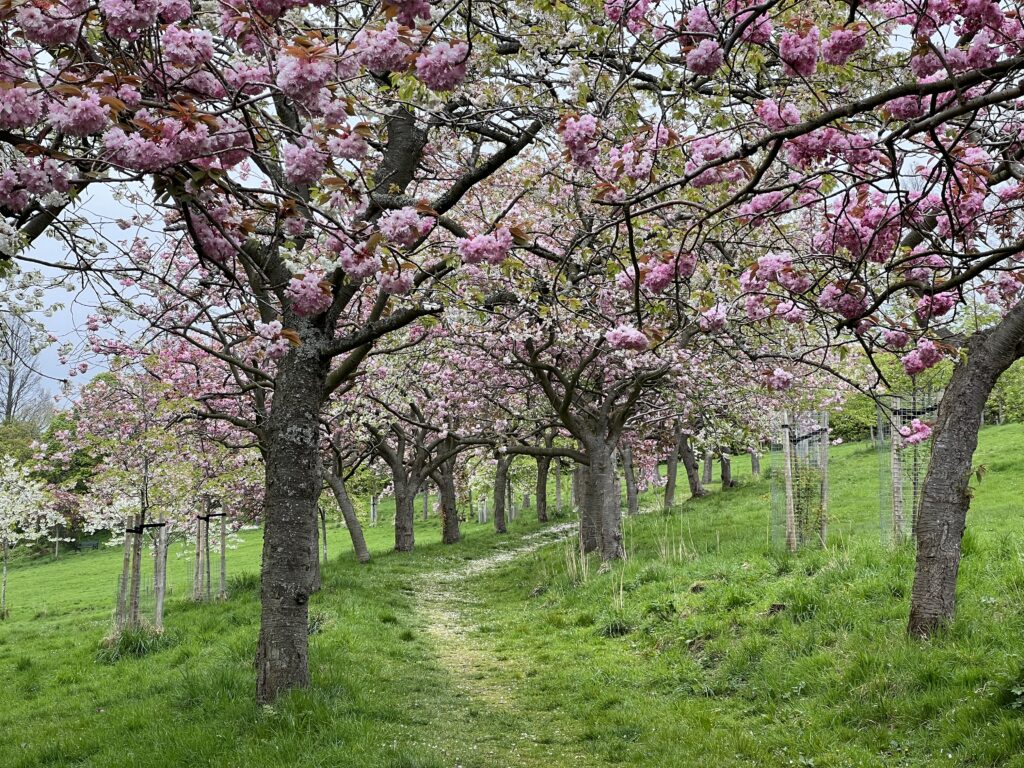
{"x":901,"y":465}
{"x":800,"y":480}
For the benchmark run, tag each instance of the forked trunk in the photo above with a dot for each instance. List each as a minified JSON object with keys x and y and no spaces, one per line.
{"x":290,"y":558}
{"x":945,"y":496}
{"x":348,"y":514}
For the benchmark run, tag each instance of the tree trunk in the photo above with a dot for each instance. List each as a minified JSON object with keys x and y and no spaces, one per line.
{"x":605,"y":499}
{"x":3,"y":582}
{"x":121,"y":610}
{"x":159,"y":576}
{"x":671,"y":469}
{"x":709,"y":464}
{"x":787,"y":470}
{"x":823,"y":460}
{"x":223,"y":592}
{"x":374,"y":502}
{"x":755,"y":463}
{"x":628,"y":471}
{"x":450,"y":533}
{"x":576,"y":488}
{"x":558,"y":486}
{"x":290,"y":557}
{"x":590,"y":516}
{"x":197,"y":571}
{"x":543,"y":466}
{"x":209,"y":566}
{"x":426,"y":501}
{"x":405,"y":514}
{"x":690,"y":465}
{"x":725,"y":468}
{"x":323,"y":532}
{"x":135,"y":583}
{"x":946,"y":496}
{"x":500,"y":492}
{"x":348,"y":514}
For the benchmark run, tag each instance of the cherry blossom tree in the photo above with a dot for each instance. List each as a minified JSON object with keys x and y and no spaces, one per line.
{"x":26,"y":514}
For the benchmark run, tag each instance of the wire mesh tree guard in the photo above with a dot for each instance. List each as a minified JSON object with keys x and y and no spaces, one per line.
{"x":901,"y":465}
{"x":800,"y":480}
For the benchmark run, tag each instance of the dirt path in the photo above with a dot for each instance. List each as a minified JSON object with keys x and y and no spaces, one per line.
{"x":486,"y":689}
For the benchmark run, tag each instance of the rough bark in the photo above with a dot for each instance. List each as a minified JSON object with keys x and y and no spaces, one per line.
{"x":450,"y":533}
{"x":500,"y":492}
{"x":946,"y":496}
{"x":405,"y":514}
{"x":690,"y":465}
{"x":603,"y":498}
{"x":348,"y":514}
{"x":590,"y":517}
{"x":629,"y":472}
{"x":290,"y":558}
{"x":725,"y":462}
{"x":543,"y":467}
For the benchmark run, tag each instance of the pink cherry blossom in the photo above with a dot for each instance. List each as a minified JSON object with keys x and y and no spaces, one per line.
{"x":303,"y":165}
{"x":580,"y":137}
{"x":916,"y":432}
{"x":626,"y":337}
{"x":405,"y":226}
{"x":443,"y":66}
{"x":799,"y":53}
{"x":308,"y":293}
{"x":492,"y":248}
{"x":705,"y":58}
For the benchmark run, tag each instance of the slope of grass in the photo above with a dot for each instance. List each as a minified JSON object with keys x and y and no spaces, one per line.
{"x":711,"y":647}
{"x":708,"y":647}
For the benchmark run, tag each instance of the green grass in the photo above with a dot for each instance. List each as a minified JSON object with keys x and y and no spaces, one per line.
{"x":708,"y":647}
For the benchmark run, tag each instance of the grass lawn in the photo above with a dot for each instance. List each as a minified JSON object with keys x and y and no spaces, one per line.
{"x":708,"y":647}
